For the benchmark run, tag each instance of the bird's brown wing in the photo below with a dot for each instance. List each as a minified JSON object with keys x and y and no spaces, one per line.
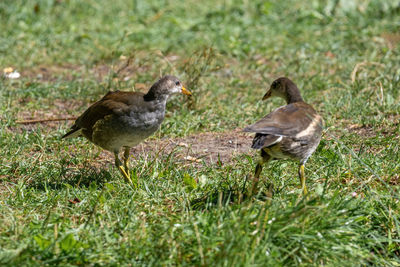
{"x":286,"y":121}
{"x":112,"y":103}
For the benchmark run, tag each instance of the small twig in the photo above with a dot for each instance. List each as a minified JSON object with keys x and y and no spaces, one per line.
{"x":358,"y":65}
{"x":114,"y":74}
{"x":126,"y":65}
{"x":46,"y":120}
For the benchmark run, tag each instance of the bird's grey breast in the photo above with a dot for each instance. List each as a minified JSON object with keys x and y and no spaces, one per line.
{"x":142,"y":121}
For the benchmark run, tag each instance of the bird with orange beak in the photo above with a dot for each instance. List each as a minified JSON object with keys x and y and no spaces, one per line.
{"x":289,"y":132}
{"x":124,"y":119}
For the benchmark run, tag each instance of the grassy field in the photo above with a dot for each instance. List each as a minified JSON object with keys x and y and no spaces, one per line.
{"x":62,"y":202}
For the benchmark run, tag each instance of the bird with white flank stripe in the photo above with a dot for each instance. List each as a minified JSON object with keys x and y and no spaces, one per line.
{"x":289,"y":132}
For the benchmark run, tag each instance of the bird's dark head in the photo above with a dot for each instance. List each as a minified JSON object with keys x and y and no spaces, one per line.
{"x":284,"y":88}
{"x":166,"y":86}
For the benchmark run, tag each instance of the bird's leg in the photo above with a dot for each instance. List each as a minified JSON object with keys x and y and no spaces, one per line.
{"x":126,"y":166}
{"x":302,"y":179}
{"x":256,"y":178}
{"x":126,"y":159}
{"x":264,"y":158}
{"x":118,"y":164}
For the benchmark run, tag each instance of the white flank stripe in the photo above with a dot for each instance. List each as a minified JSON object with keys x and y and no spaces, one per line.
{"x":310,"y":128}
{"x":277,"y":141}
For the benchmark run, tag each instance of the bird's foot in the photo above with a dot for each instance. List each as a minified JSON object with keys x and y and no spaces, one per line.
{"x":304,"y":191}
{"x":303,"y":195}
{"x":125,"y":174}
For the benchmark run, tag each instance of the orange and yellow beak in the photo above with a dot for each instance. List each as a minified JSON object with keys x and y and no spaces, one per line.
{"x":185,"y":91}
{"x":267,"y":95}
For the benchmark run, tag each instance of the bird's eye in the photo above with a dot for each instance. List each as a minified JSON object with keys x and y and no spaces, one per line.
{"x":177,"y":83}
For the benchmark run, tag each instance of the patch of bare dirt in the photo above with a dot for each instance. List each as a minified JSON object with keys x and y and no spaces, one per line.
{"x":388,"y":127}
{"x":212,"y":147}
{"x":362,"y":130}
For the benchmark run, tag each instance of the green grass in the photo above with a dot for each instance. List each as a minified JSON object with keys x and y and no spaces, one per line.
{"x":69,"y":53}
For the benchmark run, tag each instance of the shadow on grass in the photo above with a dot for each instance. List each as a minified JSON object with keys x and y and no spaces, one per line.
{"x":85,"y":177}
{"x":216,"y":198}
{"x":227,"y":196}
